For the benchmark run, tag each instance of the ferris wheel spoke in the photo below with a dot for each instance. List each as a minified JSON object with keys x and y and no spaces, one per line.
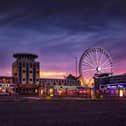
{"x":89,"y":63}
{"x":88,"y":70}
{"x":87,"y":66}
{"x":100,"y":61}
{"x":85,"y":74}
{"x":89,"y":59}
{"x":93,"y":60}
{"x":105,"y":68}
{"x":105,"y":62}
{"x":85,"y":63}
{"x":97,"y":58}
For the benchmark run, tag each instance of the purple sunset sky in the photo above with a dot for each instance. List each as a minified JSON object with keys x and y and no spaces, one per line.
{"x":59,"y":30}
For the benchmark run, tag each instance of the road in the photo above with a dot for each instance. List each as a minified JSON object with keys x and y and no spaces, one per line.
{"x":62,"y":113}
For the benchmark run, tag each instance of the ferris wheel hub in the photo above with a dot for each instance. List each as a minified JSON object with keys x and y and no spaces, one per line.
{"x":98,"y":69}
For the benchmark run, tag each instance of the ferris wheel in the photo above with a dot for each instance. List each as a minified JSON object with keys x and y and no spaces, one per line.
{"x":94,"y":61}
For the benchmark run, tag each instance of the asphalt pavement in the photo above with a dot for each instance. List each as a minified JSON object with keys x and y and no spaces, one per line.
{"x":34,"y":111}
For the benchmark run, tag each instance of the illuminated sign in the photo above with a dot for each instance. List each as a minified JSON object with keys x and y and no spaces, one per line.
{"x":68,"y":87}
{"x":6,"y":85}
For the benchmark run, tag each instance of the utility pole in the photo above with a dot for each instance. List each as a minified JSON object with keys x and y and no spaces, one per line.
{"x":76,"y":65}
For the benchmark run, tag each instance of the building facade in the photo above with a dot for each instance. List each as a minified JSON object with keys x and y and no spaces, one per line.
{"x":58,"y":87}
{"x":26,"y":71}
{"x":112,"y":84}
{"x":44,"y":82}
{"x":110,"y":80}
{"x":7,"y":79}
{"x":7,"y":84}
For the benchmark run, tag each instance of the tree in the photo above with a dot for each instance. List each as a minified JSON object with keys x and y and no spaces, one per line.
{"x":71,"y":77}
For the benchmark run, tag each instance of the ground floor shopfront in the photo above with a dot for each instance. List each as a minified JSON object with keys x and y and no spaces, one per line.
{"x":66,"y":91}
{"x":27,"y":90}
{"x":117,"y":89}
{"x":7,"y":88}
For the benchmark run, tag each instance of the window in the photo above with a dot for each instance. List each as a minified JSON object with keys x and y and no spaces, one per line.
{"x":24,"y":71}
{"x":37,"y":65}
{"x":65,"y":83}
{"x":15,"y":74}
{"x":30,"y":65}
{"x":102,"y":86}
{"x":37,"y":72}
{"x":19,"y":64}
{"x":23,"y":64}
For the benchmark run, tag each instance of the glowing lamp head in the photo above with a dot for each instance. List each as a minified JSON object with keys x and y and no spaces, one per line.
{"x":98,"y":69}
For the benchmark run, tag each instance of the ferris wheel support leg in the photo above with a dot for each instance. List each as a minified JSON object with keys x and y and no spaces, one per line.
{"x":93,"y":94}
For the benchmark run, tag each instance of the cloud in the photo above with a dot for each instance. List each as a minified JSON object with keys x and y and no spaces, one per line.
{"x":60,"y":30}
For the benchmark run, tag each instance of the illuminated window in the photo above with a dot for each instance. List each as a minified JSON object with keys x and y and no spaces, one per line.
{"x":121,"y":93}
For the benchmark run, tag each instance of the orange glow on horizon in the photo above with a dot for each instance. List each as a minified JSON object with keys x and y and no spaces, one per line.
{"x":52,"y":74}
{"x":57,"y":74}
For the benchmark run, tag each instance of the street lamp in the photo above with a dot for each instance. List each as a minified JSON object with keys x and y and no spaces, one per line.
{"x":76,"y":65}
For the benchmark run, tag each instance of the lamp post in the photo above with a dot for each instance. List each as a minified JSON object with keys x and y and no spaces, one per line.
{"x":76,"y":65}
